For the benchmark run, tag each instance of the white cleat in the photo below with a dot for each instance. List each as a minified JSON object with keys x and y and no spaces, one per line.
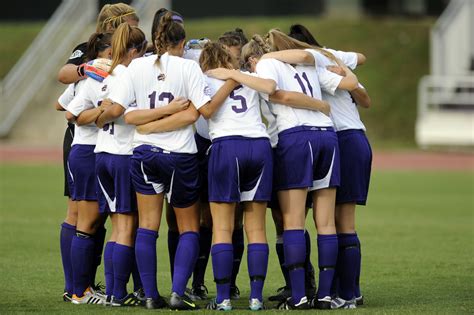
{"x":256,"y":305}
{"x":89,"y":297}
{"x":339,"y":303}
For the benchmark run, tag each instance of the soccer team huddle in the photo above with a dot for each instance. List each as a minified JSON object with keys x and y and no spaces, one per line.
{"x":217,"y":132}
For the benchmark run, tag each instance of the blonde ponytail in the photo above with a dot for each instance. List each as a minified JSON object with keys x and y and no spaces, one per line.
{"x":126,"y":37}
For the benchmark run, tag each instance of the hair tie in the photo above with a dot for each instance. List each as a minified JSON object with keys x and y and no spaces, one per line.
{"x":177,"y":18}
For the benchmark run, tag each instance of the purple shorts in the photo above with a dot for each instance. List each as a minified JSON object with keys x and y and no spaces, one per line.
{"x":203,"y":145}
{"x":356,"y":164}
{"x":81,"y":173}
{"x":155,"y":171}
{"x":114,"y":183}
{"x":240,"y":169}
{"x":307,"y":157}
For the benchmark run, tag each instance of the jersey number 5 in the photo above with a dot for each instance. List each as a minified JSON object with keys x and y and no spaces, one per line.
{"x":161,"y":97}
{"x":243,"y":101}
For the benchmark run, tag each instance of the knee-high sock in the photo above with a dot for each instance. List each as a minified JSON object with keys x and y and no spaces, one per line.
{"x":281,"y":259}
{"x":99,"y":239}
{"x":205,"y":241}
{"x":222,"y":257}
{"x":173,"y":240}
{"x":357,"y":285}
{"x":327,"y":257}
{"x":137,"y":281}
{"x":308,"y":266}
{"x":109,"y":268}
{"x":65,"y":241}
{"x":145,"y":254}
{"x":82,"y":257}
{"x":123,"y":263}
{"x":239,"y":246}
{"x":257,"y":261}
{"x":295,"y":253}
{"x":349,"y":255}
{"x":186,"y":255}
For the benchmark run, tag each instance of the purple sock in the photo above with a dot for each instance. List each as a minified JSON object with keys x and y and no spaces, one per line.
{"x":173,"y":240}
{"x":99,"y":239}
{"x":109,"y":268}
{"x":186,"y":255}
{"x":123,"y":262}
{"x":82,"y":257}
{"x":222,"y":257}
{"x":327,"y":258}
{"x":349,"y":255}
{"x":257,"y":261}
{"x":358,"y":265}
{"x":145,"y":253}
{"x":308,"y":266}
{"x":205,"y":241}
{"x":137,"y":281}
{"x":65,"y":240}
{"x":239,"y":247}
{"x":295,"y":252}
{"x":281,"y":259}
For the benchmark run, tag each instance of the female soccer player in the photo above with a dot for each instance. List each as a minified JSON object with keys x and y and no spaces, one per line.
{"x":306,"y":137}
{"x":165,"y":162}
{"x":82,"y":185}
{"x":356,"y":158}
{"x":72,"y":72}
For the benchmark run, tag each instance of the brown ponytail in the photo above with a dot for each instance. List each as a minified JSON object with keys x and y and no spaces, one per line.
{"x":256,"y":47}
{"x":280,"y":41}
{"x":169,"y":34}
{"x":214,"y":55}
{"x":97,"y":42}
{"x":126,"y":37}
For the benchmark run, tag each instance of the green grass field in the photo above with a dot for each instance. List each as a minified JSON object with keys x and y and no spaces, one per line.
{"x":417,"y":238}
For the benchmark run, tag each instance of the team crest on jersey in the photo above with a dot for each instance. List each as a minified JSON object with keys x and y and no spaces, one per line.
{"x":76,"y":54}
{"x":207,"y":91}
{"x":104,"y":88}
{"x":161,"y":77}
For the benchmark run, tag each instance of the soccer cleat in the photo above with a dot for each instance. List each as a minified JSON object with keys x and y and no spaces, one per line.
{"x":289,"y":305}
{"x":154,"y":304}
{"x":256,"y":305}
{"x":89,"y":297}
{"x":128,"y":300}
{"x":99,"y":289}
{"x":234,"y":293}
{"x":108,"y":300}
{"x":67,"y":297}
{"x":225,"y":305}
{"x":360,"y":300}
{"x":282,"y":295}
{"x":198,"y":292}
{"x":322,"y":304}
{"x":181,"y":303}
{"x":140,"y":295}
{"x":339,"y":303}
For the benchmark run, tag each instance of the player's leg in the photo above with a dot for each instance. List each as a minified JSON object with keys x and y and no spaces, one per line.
{"x":257,"y":250}
{"x":108,"y":257}
{"x":222,"y":252}
{"x":173,"y":235}
{"x":68,"y":230}
{"x":292,"y":204}
{"x":323,"y":215}
{"x":239,"y":247}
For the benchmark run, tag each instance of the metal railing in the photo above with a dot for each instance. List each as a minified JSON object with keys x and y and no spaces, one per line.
{"x":40,"y":61}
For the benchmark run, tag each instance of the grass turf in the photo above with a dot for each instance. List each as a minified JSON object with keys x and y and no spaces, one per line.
{"x":417,"y":242}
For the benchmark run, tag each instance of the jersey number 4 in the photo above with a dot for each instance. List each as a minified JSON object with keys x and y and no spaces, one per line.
{"x":161,"y":97}
{"x":243,"y":102}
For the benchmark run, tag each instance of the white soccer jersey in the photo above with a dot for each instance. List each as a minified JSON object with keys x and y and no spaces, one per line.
{"x":67,"y":95}
{"x":344,"y":111}
{"x":298,"y":79}
{"x":272,"y":129}
{"x":86,"y":134}
{"x":239,"y":115}
{"x":202,"y":128}
{"x":145,"y":85}
{"x":116,"y":136}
